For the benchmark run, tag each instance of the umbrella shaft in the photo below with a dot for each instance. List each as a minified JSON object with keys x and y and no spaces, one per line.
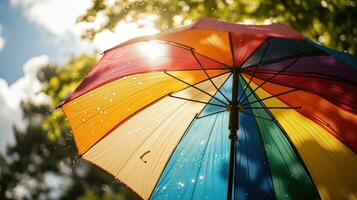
{"x":233,"y":127}
{"x":232,"y":161}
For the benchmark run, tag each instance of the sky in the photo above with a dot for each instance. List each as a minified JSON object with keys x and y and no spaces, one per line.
{"x":34,"y":33}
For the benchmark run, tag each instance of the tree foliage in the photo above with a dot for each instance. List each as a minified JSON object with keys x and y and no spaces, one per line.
{"x":331,"y":22}
{"x":45,"y":151}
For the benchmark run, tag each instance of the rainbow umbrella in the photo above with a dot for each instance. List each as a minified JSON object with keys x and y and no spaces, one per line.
{"x":216,"y":110}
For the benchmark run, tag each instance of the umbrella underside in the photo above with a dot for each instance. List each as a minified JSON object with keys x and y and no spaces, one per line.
{"x":159,"y":123}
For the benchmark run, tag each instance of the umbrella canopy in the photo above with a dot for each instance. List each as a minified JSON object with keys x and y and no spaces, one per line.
{"x":161,"y":114}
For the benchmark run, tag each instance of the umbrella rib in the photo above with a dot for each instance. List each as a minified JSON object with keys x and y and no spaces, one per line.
{"x":276,"y":107}
{"x":264,"y":107}
{"x":283,"y":131}
{"x":327,"y":125}
{"x":224,"y":103}
{"x":214,"y":113}
{"x":216,"y":93}
{"x":276,"y":95}
{"x":270,"y":78}
{"x":286,"y":58}
{"x":179,"y":45}
{"x":197,"y":101}
{"x":260,"y":102}
{"x":210,"y":79}
{"x":257,"y":116}
{"x":232,"y":49}
{"x":308,"y":74}
{"x":255,"y":70}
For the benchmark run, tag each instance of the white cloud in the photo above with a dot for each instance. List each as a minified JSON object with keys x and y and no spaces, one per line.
{"x":2,"y":39}
{"x":27,"y":88}
{"x":59,"y":18}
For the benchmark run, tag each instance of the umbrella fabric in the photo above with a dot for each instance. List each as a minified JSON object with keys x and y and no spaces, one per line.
{"x":153,"y":112}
